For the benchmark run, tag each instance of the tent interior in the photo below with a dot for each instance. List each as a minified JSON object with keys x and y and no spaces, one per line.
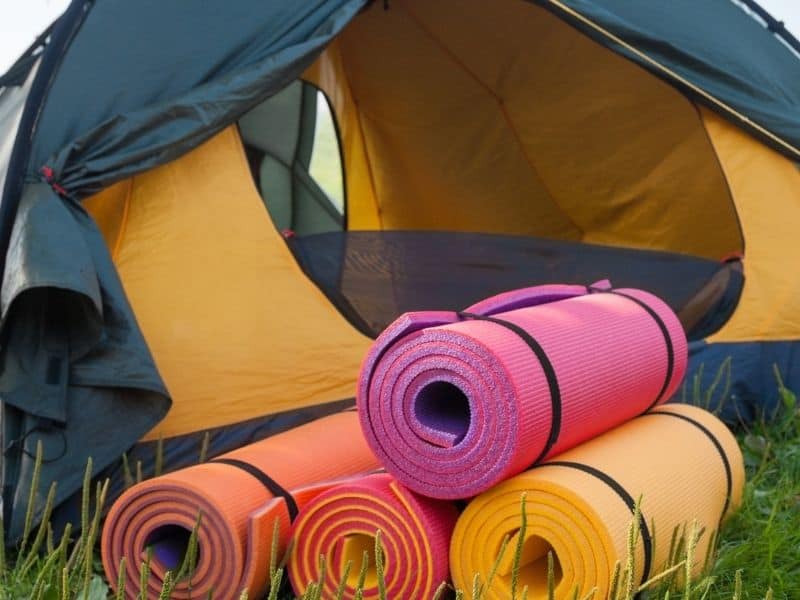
{"x":443,"y":135}
{"x":412,"y":168}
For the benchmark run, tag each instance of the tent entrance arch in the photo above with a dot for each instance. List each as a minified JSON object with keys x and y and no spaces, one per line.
{"x":536,"y":156}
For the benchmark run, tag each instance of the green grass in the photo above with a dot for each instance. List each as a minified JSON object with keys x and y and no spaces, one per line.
{"x":763,"y":538}
{"x":758,"y":554}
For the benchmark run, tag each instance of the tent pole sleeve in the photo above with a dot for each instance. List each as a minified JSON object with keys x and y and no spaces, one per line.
{"x":64,"y":31}
{"x":558,"y":5}
{"x":775,"y":26}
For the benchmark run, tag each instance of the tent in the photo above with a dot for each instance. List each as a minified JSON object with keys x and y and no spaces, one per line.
{"x":208,"y":212}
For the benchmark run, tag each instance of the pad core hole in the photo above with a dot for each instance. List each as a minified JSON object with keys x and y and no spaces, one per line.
{"x":352,"y":549}
{"x":170,"y":543}
{"x":533,"y":567}
{"x":443,"y":408}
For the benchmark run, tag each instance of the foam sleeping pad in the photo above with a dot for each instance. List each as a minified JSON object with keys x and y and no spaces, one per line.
{"x":681,"y":460}
{"x":453,"y":403}
{"x":341,"y":523}
{"x":240,"y":504}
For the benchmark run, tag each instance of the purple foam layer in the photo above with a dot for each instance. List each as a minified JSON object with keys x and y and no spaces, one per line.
{"x":525,"y":297}
{"x":443,"y":411}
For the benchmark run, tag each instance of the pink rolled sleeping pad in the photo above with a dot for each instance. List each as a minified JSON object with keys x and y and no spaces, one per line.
{"x":453,"y":403}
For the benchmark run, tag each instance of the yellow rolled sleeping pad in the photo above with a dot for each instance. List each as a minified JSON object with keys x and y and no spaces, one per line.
{"x":682,"y":462}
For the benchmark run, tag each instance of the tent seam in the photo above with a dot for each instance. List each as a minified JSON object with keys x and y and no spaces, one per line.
{"x":367,"y":158}
{"x":506,"y":117}
{"x":731,"y":195}
{"x":675,"y":76}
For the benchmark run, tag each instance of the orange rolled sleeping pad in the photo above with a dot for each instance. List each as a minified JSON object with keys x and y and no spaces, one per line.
{"x":680,"y":460}
{"x":239,"y":503}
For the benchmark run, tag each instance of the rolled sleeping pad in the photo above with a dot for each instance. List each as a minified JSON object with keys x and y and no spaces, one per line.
{"x":240,"y":496}
{"x":341,"y":523}
{"x":453,"y":403}
{"x":680,"y":460}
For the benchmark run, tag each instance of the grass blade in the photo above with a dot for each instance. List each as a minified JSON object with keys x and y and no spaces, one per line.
{"x":203,"y":455}
{"x":379,"y":566}
{"x":122,"y":580}
{"x":32,"y":493}
{"x":515,"y":564}
{"x":343,"y":580}
{"x":551,"y":577}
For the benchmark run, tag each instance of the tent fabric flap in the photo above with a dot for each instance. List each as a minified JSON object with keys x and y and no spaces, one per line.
{"x":78,"y":375}
{"x":90,"y":135}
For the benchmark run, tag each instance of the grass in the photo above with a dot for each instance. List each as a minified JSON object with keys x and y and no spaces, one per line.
{"x":763,"y":539}
{"x":758,"y":554}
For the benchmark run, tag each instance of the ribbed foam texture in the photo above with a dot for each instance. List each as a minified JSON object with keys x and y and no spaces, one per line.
{"x":681,"y":460}
{"x":453,"y":404}
{"x":238,"y":512}
{"x":342,"y":522}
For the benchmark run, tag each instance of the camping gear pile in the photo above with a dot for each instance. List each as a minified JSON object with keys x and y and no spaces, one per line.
{"x":177,"y":261}
{"x":553,"y":391}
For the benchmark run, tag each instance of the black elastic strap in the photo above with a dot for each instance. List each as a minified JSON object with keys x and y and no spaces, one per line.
{"x":42,"y":426}
{"x":273,"y":486}
{"x":667,"y":339}
{"x":725,"y":462}
{"x":647,"y":541}
{"x":549,"y":373}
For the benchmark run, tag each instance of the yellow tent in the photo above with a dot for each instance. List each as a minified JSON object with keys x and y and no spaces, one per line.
{"x":276,"y":182}
{"x":537,"y":131}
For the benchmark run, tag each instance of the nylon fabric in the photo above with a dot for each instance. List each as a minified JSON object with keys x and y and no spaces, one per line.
{"x":225,"y":309}
{"x":12,"y":101}
{"x":91,"y":140}
{"x":543,"y":158}
{"x":82,"y":135}
{"x":109,"y":209}
{"x":741,"y":63}
{"x":766,"y":189}
{"x":753,"y":393}
{"x":70,"y":350}
{"x":574,"y":511}
{"x":461,"y":120}
{"x":375,"y":276}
